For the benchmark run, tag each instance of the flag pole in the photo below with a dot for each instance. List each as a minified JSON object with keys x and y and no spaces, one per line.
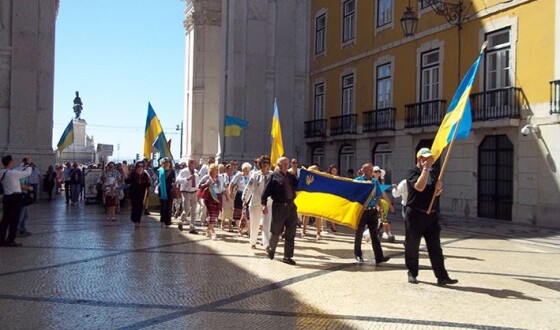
{"x":444,"y":166}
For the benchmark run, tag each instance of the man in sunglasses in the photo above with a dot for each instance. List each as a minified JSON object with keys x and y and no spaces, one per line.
{"x":421,"y":222}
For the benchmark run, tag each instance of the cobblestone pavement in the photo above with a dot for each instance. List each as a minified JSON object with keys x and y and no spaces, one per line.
{"x":78,"y":271}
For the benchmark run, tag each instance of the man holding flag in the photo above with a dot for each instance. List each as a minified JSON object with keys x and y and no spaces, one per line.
{"x":421,"y":220}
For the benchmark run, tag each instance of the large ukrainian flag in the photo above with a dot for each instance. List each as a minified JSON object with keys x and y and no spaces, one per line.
{"x":67,"y":137}
{"x":335,"y":199}
{"x":234,"y":125}
{"x":458,"y":116}
{"x":277,"y":149}
{"x":153,"y":130}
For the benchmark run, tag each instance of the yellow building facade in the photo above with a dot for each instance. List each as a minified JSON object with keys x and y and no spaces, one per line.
{"x":378,"y":96}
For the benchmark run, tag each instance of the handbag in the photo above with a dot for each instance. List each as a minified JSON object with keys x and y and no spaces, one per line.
{"x":26,"y":199}
{"x":176,"y":193}
{"x":202,"y":193}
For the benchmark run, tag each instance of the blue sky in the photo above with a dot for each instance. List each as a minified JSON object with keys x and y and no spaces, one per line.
{"x":120,"y":54}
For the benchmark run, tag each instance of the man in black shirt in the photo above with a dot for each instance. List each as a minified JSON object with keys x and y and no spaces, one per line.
{"x":422,"y":184}
{"x":282,"y":189}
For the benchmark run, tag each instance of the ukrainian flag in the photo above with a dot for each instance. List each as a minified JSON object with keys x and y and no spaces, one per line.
{"x":162,"y":146}
{"x":67,"y":137}
{"x":277,"y":149}
{"x":234,"y":125}
{"x":335,"y":199}
{"x":153,"y":130}
{"x":458,"y":116}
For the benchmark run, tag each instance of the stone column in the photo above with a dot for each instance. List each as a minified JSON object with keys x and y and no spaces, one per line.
{"x":27,"y":32}
{"x":202,"y":78}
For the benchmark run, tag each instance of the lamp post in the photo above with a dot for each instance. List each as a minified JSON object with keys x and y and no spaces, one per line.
{"x":180,"y":128}
{"x":453,"y":13}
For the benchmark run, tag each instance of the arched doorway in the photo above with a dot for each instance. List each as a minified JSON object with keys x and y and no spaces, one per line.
{"x":495,"y":177}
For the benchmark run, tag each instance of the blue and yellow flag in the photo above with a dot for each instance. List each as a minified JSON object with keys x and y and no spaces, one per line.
{"x":458,"y":116}
{"x":335,"y":199}
{"x":163,"y":146}
{"x":234,"y":125}
{"x":153,"y":130}
{"x":277,"y":149}
{"x":67,"y":137}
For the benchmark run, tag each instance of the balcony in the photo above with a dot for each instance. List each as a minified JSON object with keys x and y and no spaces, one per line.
{"x":315,"y":128}
{"x":379,"y":120}
{"x":555,"y":97}
{"x":424,"y":113}
{"x":496,"y":104}
{"x":345,"y":124}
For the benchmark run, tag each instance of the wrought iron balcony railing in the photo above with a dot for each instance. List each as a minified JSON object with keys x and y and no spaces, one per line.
{"x":345,"y":124}
{"x":424,"y":113}
{"x":555,"y":96}
{"x":379,"y":120}
{"x":315,"y":128}
{"x":496,"y":104}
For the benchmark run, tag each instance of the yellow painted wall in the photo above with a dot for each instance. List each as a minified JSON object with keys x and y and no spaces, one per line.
{"x":534,"y":52}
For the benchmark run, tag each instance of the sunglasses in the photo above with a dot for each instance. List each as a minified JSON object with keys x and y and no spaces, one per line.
{"x":265,"y":163}
{"x":376,"y":171}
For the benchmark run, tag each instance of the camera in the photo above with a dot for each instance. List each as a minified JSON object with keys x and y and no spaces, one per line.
{"x":527,"y":129}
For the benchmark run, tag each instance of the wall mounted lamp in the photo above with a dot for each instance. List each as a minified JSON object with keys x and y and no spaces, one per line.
{"x":451,"y":11}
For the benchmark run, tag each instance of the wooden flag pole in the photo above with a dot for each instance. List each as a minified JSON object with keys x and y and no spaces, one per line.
{"x":444,"y":166}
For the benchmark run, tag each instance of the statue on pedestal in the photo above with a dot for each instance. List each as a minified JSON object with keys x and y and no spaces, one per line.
{"x":78,"y":105}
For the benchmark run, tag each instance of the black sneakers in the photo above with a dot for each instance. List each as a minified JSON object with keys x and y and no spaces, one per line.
{"x":289,"y":261}
{"x":446,"y":281}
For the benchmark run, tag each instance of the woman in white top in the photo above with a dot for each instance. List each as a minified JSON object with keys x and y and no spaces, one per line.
{"x":213,"y":186}
{"x":236,"y":188}
{"x":227,"y":200}
{"x":252,"y":197}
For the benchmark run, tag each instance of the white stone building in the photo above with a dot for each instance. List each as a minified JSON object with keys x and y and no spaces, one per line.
{"x":239,"y":56}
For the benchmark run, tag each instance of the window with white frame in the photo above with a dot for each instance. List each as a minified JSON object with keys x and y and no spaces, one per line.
{"x":320,"y":34}
{"x":429,"y":75}
{"x":383,"y":86}
{"x":347,"y":159}
{"x":348,"y":20}
{"x":497,"y":64}
{"x":319,"y":104}
{"x":384,"y":12}
{"x":318,"y":157}
{"x":348,"y":94}
{"x":382,"y":158}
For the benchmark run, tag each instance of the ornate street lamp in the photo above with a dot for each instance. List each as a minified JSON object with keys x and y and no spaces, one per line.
{"x":451,"y":11}
{"x":409,"y":20}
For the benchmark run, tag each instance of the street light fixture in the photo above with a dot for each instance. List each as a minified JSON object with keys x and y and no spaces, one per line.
{"x":180,"y":128}
{"x":453,"y":13}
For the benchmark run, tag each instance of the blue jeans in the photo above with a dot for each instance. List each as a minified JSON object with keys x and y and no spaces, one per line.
{"x":23,"y":216}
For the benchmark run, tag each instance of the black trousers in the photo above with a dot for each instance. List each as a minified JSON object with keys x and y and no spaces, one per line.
{"x":12,"y":207}
{"x":67,"y":190}
{"x":284,"y":216}
{"x":418,"y":224}
{"x":165,"y":206}
{"x":369,"y":219}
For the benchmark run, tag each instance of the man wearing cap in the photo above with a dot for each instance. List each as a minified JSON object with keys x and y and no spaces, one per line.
{"x":369,"y":218}
{"x":421,"y":186}
{"x":187,"y":180}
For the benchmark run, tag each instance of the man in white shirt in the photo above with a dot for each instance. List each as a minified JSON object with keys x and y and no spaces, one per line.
{"x":187,"y":180}
{"x":9,"y":178}
{"x":66,"y":179}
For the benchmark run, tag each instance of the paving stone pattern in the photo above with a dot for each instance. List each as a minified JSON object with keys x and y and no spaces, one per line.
{"x":78,"y":271}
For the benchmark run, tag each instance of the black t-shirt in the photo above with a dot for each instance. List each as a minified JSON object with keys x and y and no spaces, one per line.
{"x":281,"y":187}
{"x":420,"y":200}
